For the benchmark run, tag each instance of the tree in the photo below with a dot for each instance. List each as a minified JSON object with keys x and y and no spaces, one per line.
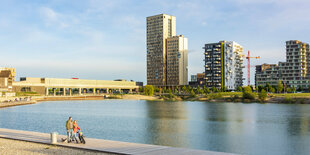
{"x":262,"y":95}
{"x":184,"y":89}
{"x":214,"y":90}
{"x":164,"y":90}
{"x":289,"y":90}
{"x":189,"y":88}
{"x":199,"y":90}
{"x":294,"y":89}
{"x":247,"y":93}
{"x":156,"y":89}
{"x":280,"y":86}
{"x":239,"y":89}
{"x":268,"y":87}
{"x":149,"y":90}
{"x":260,"y":88}
{"x":193,"y":93}
{"x":206,"y":90}
{"x":272,"y":90}
{"x":176,"y":91}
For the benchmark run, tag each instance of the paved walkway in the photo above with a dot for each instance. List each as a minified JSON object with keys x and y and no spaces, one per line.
{"x":103,"y":145}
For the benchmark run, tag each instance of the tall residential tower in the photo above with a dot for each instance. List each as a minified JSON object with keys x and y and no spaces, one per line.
{"x":223,"y":65}
{"x":161,"y":66}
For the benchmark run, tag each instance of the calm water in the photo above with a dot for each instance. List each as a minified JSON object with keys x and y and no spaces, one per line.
{"x":225,"y":127}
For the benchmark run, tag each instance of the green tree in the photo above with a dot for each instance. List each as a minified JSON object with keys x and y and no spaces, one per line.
{"x":193,"y":94}
{"x":156,"y":89}
{"x":149,"y":90}
{"x":260,"y":88}
{"x":280,"y":86}
{"x":164,"y":90}
{"x":268,"y":87}
{"x":262,"y":95}
{"x":199,"y":90}
{"x":176,"y":91}
{"x":239,"y":89}
{"x":294,"y":89}
{"x":214,"y":90}
{"x":206,"y":90}
{"x":169,"y":90}
{"x":273,"y":90}
{"x":189,"y":88}
{"x":184,"y":89}
{"x":289,"y":90}
{"x":247,"y":93}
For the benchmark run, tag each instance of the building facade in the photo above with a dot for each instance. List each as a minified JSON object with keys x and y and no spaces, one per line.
{"x":197,"y":80}
{"x":177,"y":72}
{"x":295,"y":71}
{"x":54,"y":86}
{"x":161,"y":30}
{"x":7,"y":77}
{"x":223,"y":65}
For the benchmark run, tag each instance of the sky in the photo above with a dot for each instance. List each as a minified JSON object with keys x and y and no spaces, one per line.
{"x":106,"y":39}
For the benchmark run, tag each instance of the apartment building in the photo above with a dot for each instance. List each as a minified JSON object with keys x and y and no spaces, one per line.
{"x":223,"y":65}
{"x":267,"y":73}
{"x":177,"y":72}
{"x":161,"y":30}
{"x":295,"y":71}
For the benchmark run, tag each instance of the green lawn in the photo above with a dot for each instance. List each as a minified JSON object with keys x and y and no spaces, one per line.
{"x":292,"y":95}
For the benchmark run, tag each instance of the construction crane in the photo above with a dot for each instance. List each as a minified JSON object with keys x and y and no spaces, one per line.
{"x":249,"y":66}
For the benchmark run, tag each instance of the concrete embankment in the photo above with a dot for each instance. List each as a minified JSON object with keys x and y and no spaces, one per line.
{"x":100,"y":145}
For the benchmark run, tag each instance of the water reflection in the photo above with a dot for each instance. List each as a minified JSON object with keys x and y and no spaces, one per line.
{"x":168,"y":125}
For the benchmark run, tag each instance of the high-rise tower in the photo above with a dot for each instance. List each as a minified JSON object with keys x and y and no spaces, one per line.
{"x":159,"y":29}
{"x":223,"y":65}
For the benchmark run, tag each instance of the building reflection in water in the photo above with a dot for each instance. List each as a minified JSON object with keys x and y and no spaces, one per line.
{"x":167,"y":124}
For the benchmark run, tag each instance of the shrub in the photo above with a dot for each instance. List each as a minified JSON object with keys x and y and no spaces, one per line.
{"x":262,"y":95}
{"x":215,"y":95}
{"x":280,"y":86}
{"x":149,"y":90}
{"x":239,"y":89}
{"x":247,"y":93}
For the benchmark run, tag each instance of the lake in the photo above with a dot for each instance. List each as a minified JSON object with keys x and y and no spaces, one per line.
{"x":224,"y":127}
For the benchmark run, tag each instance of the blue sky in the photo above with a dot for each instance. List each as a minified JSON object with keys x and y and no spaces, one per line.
{"x":105,"y":39}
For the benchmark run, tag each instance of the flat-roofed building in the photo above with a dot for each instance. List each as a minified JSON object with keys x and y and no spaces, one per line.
{"x":7,"y":77}
{"x":159,"y":29}
{"x":295,"y":71}
{"x":223,"y":65}
{"x":54,"y":86}
{"x":177,"y":61}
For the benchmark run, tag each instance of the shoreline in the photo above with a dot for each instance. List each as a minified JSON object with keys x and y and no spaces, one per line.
{"x":37,"y":99}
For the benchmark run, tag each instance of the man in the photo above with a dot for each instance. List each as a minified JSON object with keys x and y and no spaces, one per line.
{"x":69,"y":126}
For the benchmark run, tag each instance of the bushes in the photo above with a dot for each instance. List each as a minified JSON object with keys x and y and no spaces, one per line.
{"x":262,"y":95}
{"x":148,"y":90}
{"x":248,"y":94}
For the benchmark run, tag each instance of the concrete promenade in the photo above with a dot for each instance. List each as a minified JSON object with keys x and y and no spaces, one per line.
{"x":101,"y":145}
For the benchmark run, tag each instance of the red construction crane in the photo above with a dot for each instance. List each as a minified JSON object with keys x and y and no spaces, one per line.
{"x":249,"y":66}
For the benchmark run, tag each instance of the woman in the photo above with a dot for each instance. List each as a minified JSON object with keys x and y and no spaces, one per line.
{"x":75,"y":127}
